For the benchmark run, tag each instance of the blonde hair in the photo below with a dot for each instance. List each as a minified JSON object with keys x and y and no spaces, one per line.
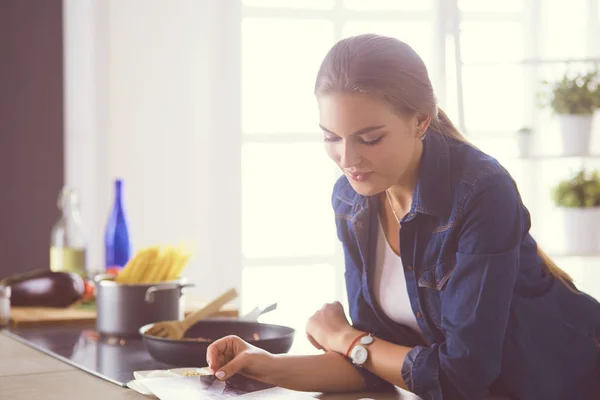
{"x":393,"y":71}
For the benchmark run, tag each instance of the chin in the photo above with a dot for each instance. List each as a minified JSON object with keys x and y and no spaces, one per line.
{"x":366,"y":188}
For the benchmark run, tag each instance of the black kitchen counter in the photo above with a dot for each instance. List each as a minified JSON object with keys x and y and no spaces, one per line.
{"x":109,"y":358}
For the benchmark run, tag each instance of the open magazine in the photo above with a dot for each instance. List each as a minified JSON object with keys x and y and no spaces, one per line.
{"x":209,"y":387}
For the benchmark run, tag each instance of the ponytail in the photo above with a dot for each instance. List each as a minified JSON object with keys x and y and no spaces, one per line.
{"x":443,"y":125}
{"x":558,"y":273}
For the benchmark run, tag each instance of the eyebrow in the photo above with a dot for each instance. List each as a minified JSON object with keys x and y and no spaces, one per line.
{"x":358,"y":132}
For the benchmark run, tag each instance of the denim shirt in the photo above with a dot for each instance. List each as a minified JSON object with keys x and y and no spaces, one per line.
{"x":494,"y":320}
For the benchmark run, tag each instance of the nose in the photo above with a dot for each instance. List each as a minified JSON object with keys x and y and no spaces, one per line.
{"x":349,"y":155}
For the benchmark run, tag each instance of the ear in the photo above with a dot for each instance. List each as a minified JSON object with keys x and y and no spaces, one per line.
{"x":423,"y":122}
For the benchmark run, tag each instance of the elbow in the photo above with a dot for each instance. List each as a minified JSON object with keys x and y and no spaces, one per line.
{"x":431,"y":373}
{"x":467,"y":378}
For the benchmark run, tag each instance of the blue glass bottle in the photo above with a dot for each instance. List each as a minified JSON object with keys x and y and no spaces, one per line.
{"x":116,"y":238}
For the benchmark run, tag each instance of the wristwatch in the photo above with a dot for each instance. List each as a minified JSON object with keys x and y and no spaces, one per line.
{"x":359,"y":353}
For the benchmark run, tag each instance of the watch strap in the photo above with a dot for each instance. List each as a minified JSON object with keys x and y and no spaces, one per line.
{"x":356,"y":339}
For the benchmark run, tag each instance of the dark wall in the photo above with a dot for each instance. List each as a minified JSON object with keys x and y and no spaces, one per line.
{"x":31,"y":130}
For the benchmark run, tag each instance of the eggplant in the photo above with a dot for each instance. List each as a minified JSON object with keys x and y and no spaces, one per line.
{"x":45,"y":288}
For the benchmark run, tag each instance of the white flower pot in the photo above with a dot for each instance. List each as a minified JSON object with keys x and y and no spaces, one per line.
{"x":525,"y":144}
{"x":582,"y":230}
{"x":575,"y":132}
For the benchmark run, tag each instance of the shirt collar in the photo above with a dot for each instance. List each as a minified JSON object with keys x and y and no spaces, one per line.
{"x":432,"y":194}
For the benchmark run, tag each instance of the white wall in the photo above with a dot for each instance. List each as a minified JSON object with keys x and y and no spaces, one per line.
{"x":149,"y":85}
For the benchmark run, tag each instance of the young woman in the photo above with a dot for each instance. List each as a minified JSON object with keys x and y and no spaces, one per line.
{"x":450,"y":296}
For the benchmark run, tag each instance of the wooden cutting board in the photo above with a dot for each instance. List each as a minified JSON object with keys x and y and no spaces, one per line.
{"x":22,"y":316}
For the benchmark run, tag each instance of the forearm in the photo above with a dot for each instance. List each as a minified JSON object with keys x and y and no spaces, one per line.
{"x":385,"y":359}
{"x":314,"y":373}
{"x":329,"y":372}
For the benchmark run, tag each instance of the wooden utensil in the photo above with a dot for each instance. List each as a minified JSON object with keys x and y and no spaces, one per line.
{"x":176,"y":329}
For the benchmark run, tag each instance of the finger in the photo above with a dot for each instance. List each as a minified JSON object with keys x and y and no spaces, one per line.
{"x":234,"y":366}
{"x":216,"y":353}
{"x":314,"y":342}
{"x":336,"y":305}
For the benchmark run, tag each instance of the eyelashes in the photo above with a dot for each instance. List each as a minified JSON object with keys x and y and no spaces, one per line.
{"x":331,"y":139}
{"x":373,"y":142}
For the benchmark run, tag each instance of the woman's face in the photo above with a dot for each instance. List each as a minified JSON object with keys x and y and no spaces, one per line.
{"x":373,"y":146}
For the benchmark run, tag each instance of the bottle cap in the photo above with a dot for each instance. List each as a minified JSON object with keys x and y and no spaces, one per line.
{"x":68,"y":196}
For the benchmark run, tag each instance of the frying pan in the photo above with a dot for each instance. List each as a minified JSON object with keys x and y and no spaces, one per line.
{"x":276,"y":339}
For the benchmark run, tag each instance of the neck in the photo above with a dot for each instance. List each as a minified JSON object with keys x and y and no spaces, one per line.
{"x":402,"y":192}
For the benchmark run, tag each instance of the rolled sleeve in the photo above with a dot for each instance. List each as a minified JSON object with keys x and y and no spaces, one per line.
{"x":476,"y":299}
{"x":416,"y":360}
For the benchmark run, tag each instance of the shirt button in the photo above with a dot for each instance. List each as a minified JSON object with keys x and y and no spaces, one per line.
{"x":419,"y":315}
{"x":409,"y":268}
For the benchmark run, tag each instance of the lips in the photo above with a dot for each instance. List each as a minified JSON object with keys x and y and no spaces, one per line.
{"x":359,"y":176}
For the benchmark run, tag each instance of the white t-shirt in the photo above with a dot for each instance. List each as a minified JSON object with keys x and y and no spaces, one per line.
{"x":390,"y":284}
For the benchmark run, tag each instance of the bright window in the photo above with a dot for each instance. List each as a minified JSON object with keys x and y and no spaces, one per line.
{"x":280,"y":59}
{"x":299,"y":290}
{"x":492,"y":41}
{"x":491,"y":5}
{"x":400,"y":5}
{"x":286,"y":204}
{"x":563,"y":36}
{"x":494,"y":97}
{"x":294,"y":4}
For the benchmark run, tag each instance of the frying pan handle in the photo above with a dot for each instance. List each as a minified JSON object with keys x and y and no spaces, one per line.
{"x":257,"y":312}
{"x":150,"y":292}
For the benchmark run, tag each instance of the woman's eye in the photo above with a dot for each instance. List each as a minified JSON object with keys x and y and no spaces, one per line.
{"x":372,"y":142}
{"x":331,"y":138}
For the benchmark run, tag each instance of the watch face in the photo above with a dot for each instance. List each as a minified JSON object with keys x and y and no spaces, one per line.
{"x":366,"y":339}
{"x":359,"y":355}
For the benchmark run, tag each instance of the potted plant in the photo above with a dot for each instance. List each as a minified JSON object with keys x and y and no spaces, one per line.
{"x":525,"y":141}
{"x":578,"y":198}
{"x":574,"y":99}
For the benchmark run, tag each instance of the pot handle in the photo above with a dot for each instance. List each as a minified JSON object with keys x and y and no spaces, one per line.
{"x":149,"y":297}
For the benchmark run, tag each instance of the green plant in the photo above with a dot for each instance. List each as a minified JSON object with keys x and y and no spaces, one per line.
{"x":579,"y":94}
{"x":580,"y":191}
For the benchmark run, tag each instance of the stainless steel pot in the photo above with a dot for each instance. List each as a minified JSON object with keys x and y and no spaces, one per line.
{"x":123,"y":308}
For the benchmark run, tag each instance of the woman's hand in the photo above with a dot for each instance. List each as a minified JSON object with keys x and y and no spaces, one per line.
{"x":313,"y":373}
{"x":231,"y":355}
{"x":328,"y":329}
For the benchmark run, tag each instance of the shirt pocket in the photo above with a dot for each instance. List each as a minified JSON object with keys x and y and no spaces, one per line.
{"x":431,"y":283}
{"x":436,"y":277}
